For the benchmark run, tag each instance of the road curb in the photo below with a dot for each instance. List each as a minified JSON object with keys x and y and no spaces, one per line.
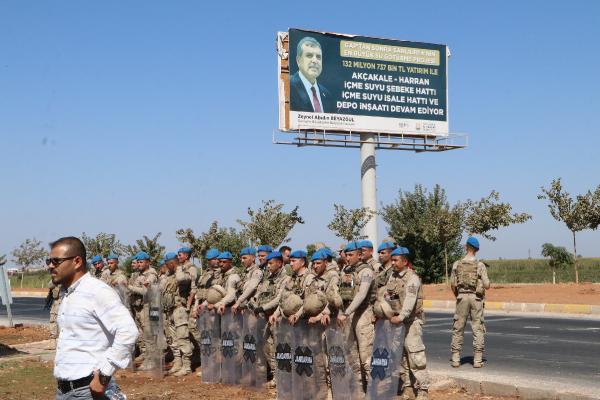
{"x":585,"y":309}
{"x":29,"y":294}
{"x":492,"y":388}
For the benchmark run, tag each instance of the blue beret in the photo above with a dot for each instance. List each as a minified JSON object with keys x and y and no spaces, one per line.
{"x":319,"y":255}
{"x":400,"y":251}
{"x":96,"y":259}
{"x":225,"y":256}
{"x":142,"y":255}
{"x":161,"y":262}
{"x":265,"y":247}
{"x":472,"y":241}
{"x":366,"y":243}
{"x":185,"y":249}
{"x":247,"y":251}
{"x":274,"y":254}
{"x":386,"y":245}
{"x":170,"y":256}
{"x":212,"y":254}
{"x":327,"y":251}
{"x":112,"y":256}
{"x":298,"y":254}
{"x":352,"y":246}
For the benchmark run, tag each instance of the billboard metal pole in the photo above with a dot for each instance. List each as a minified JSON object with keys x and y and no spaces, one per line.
{"x":369,"y":182}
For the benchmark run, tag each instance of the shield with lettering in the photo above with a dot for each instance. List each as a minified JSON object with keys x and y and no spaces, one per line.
{"x":388,"y":345}
{"x":231,"y":347}
{"x":154,"y":358}
{"x":284,"y":354}
{"x":343,"y":384}
{"x":210,"y":346}
{"x":254,"y":372}
{"x":309,"y":362}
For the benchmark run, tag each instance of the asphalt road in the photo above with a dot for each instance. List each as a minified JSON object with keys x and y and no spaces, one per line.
{"x":558,"y":350}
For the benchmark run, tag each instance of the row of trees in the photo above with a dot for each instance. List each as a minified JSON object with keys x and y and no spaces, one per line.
{"x":422,"y":220}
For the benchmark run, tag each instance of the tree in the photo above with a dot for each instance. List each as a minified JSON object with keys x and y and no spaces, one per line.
{"x":489,"y":214}
{"x":577,"y":214}
{"x":224,"y":239}
{"x":151,"y":246}
{"x":270,"y":224}
{"x":447,"y":226}
{"x":348,"y":223}
{"x":103,"y":244}
{"x":415,"y":220}
{"x":558,"y":257}
{"x":29,"y":253}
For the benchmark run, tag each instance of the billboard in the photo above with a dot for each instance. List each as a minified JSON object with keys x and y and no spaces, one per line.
{"x":348,"y":83}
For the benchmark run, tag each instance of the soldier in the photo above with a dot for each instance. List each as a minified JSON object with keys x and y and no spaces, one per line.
{"x":54,"y":295}
{"x":385,"y":258}
{"x":184,"y":255}
{"x":285,"y":253}
{"x":341,"y":260}
{"x":98,"y":269}
{"x":213,"y":272}
{"x":367,"y":255}
{"x":146,"y":277}
{"x":231,"y":282}
{"x":175,"y":298}
{"x":356,"y":291}
{"x":290,"y":303}
{"x":115,"y":276}
{"x":262,"y":252}
{"x":133,"y":300}
{"x":251,"y":280}
{"x":265,"y":301}
{"x":401,"y":301}
{"x":469,"y":280}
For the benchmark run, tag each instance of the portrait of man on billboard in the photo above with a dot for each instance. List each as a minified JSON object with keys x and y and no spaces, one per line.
{"x":306,"y":93}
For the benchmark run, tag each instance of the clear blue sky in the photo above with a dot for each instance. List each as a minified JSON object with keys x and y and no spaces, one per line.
{"x":139,"y":117}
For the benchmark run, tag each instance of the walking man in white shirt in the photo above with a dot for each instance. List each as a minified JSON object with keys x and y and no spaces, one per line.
{"x":96,"y":333}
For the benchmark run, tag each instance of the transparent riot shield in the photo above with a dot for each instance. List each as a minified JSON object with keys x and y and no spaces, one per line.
{"x":309,"y":362}
{"x":254,"y":372}
{"x":124,"y":296}
{"x":154,"y":355}
{"x":210,"y":341}
{"x":385,"y":360}
{"x":284,"y":354}
{"x":231,"y":347}
{"x":343,"y":384}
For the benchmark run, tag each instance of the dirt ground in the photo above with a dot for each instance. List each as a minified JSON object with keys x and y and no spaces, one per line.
{"x":566,"y":293}
{"x":23,"y":334}
{"x":33,"y":380}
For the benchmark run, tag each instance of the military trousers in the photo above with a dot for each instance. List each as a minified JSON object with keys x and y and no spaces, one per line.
{"x":360,"y":332}
{"x":413,"y":367}
{"x":468,"y":305}
{"x":181,"y":344}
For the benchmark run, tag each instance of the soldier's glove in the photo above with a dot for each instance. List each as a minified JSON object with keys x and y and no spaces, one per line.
{"x":259,"y":310}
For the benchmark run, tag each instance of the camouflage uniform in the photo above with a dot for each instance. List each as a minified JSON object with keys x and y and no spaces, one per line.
{"x":55,"y":293}
{"x":267,"y":297}
{"x":208,"y":279}
{"x":357,"y":291}
{"x":404,"y":292}
{"x":193,"y":271}
{"x":118,"y":281}
{"x":231,"y":282}
{"x":294,"y":286}
{"x":376,"y":265}
{"x":249,"y":283}
{"x":141,"y":309}
{"x":176,"y":291}
{"x":468,"y":280}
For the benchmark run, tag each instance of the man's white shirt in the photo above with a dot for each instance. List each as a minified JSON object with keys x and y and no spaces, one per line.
{"x":308,"y":86}
{"x":96,"y":331}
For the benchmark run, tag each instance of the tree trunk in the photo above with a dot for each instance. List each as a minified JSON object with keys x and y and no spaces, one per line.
{"x":553,"y":276}
{"x":575,"y":254}
{"x":446,"y":261}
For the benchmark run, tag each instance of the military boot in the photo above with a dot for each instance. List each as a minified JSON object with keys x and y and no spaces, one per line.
{"x":455,"y":359}
{"x":176,"y":365}
{"x":478,"y":359}
{"x":186,"y":367}
{"x":408,"y":393}
{"x":422,"y":395}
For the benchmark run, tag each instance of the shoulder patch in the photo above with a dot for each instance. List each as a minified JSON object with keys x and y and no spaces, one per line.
{"x":412,"y":289}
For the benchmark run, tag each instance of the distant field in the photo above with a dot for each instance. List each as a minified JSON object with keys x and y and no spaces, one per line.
{"x":538,"y":271}
{"x":38,"y":279}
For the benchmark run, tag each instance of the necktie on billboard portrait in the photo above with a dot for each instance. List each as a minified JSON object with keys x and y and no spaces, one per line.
{"x":315,"y":100}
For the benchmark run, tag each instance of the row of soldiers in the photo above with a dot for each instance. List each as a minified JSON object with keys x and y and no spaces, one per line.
{"x":352,"y":291}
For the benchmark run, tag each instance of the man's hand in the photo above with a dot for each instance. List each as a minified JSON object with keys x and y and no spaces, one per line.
{"x":272,"y":319}
{"x":210,"y":306}
{"x":341,"y":318}
{"x":190,"y":301}
{"x":96,"y":387}
{"x":221,"y":309}
{"x":325,"y":319}
{"x":313,"y":320}
{"x":234,"y":308}
{"x":395,"y":319}
{"x":292,"y":319}
{"x":200,"y":309}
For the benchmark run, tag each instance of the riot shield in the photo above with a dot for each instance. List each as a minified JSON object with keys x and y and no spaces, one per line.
{"x":124,"y":296}
{"x":284,"y":354}
{"x":385,"y":360}
{"x":154,"y":355}
{"x":210,"y":354}
{"x":309,"y":362}
{"x":254,"y":371}
{"x":343,"y":384}
{"x":231,"y":347}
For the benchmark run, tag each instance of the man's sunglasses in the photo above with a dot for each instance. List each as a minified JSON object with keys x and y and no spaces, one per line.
{"x":56,"y":261}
